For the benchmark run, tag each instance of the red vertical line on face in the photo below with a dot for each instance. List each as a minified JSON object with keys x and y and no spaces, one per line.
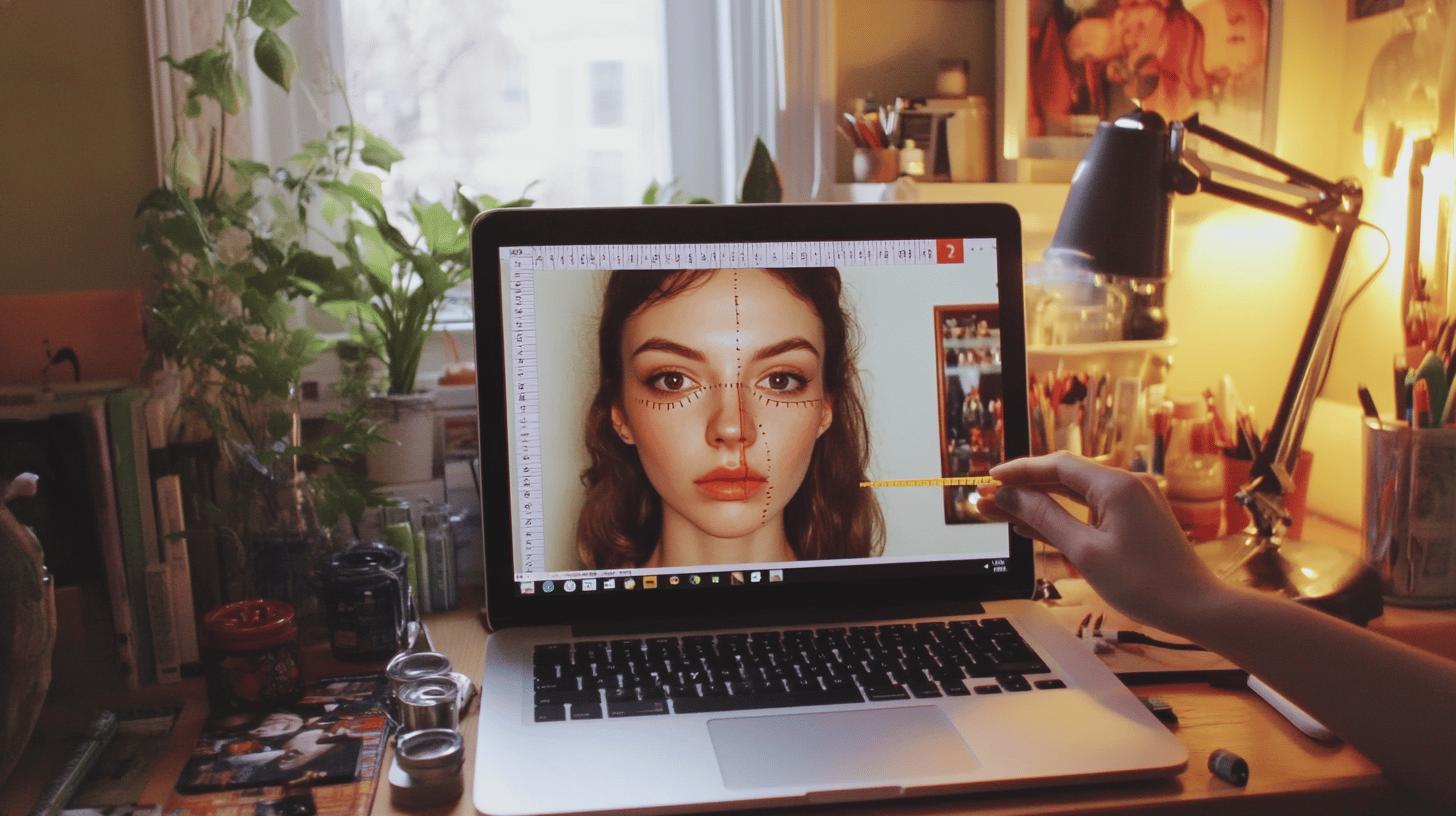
{"x":738,"y":381}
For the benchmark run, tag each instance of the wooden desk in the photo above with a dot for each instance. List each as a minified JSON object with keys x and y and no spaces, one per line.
{"x":1290,"y":773}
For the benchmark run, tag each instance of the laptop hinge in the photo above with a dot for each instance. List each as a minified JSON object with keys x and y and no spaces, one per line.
{"x":776,"y":618}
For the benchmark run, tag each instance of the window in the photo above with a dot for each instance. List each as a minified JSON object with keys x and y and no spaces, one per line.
{"x":498,"y":94}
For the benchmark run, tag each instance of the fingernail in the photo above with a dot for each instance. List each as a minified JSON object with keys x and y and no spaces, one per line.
{"x":1008,"y":498}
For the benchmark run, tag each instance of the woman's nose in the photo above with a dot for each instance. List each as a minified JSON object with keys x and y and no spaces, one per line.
{"x":731,"y":422}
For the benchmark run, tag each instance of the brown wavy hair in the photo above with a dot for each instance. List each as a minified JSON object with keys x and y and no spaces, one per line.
{"x":830,"y":516}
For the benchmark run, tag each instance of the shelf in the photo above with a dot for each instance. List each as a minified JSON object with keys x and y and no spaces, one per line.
{"x":1121,"y":358}
{"x":1038,"y":204}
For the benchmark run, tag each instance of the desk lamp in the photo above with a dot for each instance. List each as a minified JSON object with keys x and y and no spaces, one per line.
{"x":1117,"y":221}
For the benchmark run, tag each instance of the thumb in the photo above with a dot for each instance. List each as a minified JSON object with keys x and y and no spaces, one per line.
{"x":1043,"y":514}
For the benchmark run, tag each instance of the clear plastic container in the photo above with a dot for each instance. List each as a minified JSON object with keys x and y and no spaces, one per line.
{"x":1193,"y":463}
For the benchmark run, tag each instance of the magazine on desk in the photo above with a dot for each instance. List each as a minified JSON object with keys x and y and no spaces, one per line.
{"x":320,"y":755}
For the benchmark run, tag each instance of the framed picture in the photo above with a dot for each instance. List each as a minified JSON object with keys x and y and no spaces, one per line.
{"x":1067,"y":65}
{"x":968,"y":348}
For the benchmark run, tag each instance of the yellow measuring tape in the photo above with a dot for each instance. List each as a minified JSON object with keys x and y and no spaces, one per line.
{"x":951,"y":481}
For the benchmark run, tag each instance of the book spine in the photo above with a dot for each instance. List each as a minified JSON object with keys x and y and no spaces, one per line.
{"x":107,"y":526}
{"x":179,"y":568}
{"x":128,"y":506}
{"x":164,"y":636}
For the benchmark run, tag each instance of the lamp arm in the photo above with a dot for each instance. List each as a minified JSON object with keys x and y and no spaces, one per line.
{"x":1334,"y":205}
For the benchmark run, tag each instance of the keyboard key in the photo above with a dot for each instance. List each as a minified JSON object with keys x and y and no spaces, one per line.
{"x":636,"y":708}
{"x":550,"y":713}
{"x":586,"y":711}
{"x":925,"y":689}
{"x":1020,"y":667}
{"x":753,"y":701}
{"x":878,"y":693}
{"x":988,"y":689}
{"x":1013,"y":682}
{"x":1050,"y":684}
{"x":955,"y":689}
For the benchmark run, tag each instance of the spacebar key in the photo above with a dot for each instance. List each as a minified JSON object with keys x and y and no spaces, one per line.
{"x":636,"y":708}
{"x":738,"y":702}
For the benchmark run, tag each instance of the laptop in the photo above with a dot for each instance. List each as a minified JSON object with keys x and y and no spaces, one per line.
{"x":734,"y":550}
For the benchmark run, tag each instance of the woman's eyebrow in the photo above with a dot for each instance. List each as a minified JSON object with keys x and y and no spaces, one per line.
{"x":784,"y":346}
{"x":660,"y":344}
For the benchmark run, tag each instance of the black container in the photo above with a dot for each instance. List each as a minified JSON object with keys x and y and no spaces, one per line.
{"x":363,"y":591}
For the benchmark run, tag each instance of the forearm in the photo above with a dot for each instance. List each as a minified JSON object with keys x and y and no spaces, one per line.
{"x":1394,"y":703}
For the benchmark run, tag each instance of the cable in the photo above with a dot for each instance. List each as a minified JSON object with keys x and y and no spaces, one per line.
{"x":1350,"y":301}
{"x":1125,"y":636}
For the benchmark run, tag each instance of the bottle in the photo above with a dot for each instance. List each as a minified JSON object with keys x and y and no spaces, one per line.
{"x":1194,"y":468}
{"x":912,"y":160}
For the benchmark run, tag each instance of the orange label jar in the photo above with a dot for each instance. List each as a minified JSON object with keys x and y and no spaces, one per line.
{"x":251,"y":655}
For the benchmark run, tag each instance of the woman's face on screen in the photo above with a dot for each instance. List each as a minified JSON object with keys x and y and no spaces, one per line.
{"x":723,"y":398}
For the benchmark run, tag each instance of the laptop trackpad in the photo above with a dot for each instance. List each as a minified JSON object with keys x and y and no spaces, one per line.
{"x":861,"y":748}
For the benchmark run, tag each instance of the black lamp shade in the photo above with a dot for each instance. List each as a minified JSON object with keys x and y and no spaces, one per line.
{"x":1118,"y":209}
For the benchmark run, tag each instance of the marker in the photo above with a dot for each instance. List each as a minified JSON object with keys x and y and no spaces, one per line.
{"x":953,"y":481}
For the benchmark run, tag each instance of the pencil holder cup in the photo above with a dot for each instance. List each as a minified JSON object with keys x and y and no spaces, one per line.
{"x":876,"y":164}
{"x":1408,"y":527}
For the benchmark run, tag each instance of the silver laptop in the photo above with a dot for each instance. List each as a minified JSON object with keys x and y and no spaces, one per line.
{"x":735,"y":554}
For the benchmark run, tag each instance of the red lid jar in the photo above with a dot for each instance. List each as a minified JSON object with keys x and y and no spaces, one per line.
{"x":251,"y":655}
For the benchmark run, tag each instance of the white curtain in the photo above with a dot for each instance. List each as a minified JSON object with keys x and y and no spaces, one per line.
{"x":275,"y":124}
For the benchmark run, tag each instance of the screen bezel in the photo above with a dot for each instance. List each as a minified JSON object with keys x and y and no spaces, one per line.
{"x":894,"y":584}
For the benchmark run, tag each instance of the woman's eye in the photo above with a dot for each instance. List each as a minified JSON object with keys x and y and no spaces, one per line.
{"x":671,"y":382}
{"x":783,"y":382}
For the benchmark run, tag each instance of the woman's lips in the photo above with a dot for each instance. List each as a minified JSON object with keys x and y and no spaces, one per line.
{"x":730,"y":484}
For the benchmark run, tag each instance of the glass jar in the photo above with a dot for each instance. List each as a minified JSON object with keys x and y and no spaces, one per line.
{"x":437,"y":562}
{"x":1193,"y":462}
{"x":364,"y":597}
{"x":251,"y":656}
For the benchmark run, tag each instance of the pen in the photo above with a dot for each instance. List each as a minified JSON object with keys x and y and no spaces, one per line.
{"x":1421,"y":405}
{"x":1368,"y":403}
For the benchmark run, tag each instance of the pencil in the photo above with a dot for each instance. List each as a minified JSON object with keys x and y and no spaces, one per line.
{"x":952,"y":481}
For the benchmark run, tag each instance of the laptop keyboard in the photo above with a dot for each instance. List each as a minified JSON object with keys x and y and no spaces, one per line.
{"x":630,"y":677}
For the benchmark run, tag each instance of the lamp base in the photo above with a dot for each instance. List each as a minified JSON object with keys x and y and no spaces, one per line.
{"x":1318,"y":575}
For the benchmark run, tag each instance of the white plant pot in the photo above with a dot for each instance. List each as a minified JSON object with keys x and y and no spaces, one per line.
{"x":408,"y":423}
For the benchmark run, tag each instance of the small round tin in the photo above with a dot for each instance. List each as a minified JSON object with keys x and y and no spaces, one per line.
{"x":431,"y":759}
{"x":408,"y":667}
{"x":433,"y":702}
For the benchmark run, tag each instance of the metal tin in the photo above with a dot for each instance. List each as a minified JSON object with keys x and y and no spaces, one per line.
{"x":408,"y":667}
{"x":433,"y":702}
{"x":431,"y":759}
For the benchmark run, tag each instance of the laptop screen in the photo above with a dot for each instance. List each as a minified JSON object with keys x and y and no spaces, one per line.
{"x":690,"y":416}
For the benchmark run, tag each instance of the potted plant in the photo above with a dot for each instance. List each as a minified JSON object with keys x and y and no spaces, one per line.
{"x":403,"y":270}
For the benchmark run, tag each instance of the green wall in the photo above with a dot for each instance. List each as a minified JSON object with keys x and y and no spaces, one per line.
{"x":76,"y":148}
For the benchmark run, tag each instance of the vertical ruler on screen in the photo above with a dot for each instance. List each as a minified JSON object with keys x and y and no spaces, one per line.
{"x":526,"y":394}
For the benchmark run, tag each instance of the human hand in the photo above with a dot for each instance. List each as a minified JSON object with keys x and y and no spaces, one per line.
{"x":1133,"y":553}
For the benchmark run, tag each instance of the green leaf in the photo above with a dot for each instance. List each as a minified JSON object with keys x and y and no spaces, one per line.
{"x":368,"y":182}
{"x":378,"y":256}
{"x":359,"y":195}
{"x":379,"y":153}
{"x":161,"y":199}
{"x":192,"y":108}
{"x":186,"y":168}
{"x":247,"y":169}
{"x":183,"y":232}
{"x":271,"y":14}
{"x":443,"y":234}
{"x":649,"y":196}
{"x":467,"y":208}
{"x":761,"y":183}
{"x":275,"y":59}
{"x":280,"y":425}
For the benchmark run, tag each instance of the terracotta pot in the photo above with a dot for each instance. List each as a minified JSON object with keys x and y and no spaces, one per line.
{"x":27,"y":629}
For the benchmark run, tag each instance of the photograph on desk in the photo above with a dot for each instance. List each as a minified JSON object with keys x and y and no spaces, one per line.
{"x":731,"y":418}
{"x":336,"y":735}
{"x":971,"y":412}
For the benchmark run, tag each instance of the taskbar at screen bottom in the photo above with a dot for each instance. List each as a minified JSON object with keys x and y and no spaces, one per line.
{"x":709,"y":579}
